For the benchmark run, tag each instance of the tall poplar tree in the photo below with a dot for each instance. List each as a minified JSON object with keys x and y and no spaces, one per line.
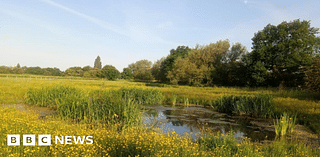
{"x":97,"y":63}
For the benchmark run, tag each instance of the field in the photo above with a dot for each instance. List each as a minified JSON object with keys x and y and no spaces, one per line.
{"x":120,"y":134}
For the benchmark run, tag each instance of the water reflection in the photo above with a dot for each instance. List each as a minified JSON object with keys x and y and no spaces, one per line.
{"x":191,"y":119}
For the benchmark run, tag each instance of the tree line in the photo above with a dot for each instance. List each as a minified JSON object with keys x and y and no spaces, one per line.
{"x":285,"y":55}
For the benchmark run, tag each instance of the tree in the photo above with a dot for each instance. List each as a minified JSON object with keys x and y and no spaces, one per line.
{"x":86,"y":68}
{"x":186,"y":72}
{"x":35,"y":71}
{"x":230,"y":70}
{"x":209,"y":57}
{"x":97,"y":63}
{"x":110,"y":72}
{"x":127,"y":74}
{"x":95,"y":72}
{"x":18,"y":65}
{"x":142,"y":70}
{"x":155,"y":70}
{"x":52,"y":71}
{"x":283,"y":51}
{"x":312,"y":76}
{"x":74,"y":71}
{"x":167,"y":64}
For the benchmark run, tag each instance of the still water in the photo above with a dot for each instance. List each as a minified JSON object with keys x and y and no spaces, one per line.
{"x":192,"y":119}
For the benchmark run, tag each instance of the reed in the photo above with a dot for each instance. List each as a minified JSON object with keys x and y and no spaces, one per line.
{"x":260,"y":105}
{"x":284,"y":124}
{"x":114,"y":106}
{"x":186,"y":101}
{"x":174,"y":100}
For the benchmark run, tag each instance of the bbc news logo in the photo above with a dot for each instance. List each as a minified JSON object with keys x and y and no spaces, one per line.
{"x":45,"y":140}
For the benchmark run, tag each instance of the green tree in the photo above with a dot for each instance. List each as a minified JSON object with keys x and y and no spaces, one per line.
{"x":86,"y":68}
{"x":208,"y":58}
{"x":74,"y":71}
{"x":186,"y":72}
{"x":280,"y":53}
{"x":52,"y":71}
{"x":95,"y":73}
{"x":97,"y":63}
{"x":167,"y":64}
{"x":35,"y":71}
{"x":155,"y":70}
{"x":312,"y":76}
{"x":5,"y":70}
{"x":18,"y":65}
{"x":110,"y":72}
{"x":127,"y":74}
{"x":142,"y":70}
{"x":230,"y":70}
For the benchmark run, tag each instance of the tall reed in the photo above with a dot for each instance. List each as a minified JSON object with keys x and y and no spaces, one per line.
{"x":260,"y":105}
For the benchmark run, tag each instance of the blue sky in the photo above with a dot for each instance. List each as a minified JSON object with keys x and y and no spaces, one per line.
{"x":63,"y":34}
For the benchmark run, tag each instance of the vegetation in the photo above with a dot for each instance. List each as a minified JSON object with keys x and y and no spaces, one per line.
{"x":97,"y":63}
{"x":167,"y":63}
{"x":312,"y":76}
{"x":74,"y":71}
{"x":131,"y":141}
{"x":258,"y":105}
{"x":281,"y":53}
{"x":141,"y":70}
{"x":156,"y":69}
{"x":112,"y":106}
{"x":110,"y":72}
{"x":284,"y":124}
{"x":122,"y":137}
{"x":127,"y":74}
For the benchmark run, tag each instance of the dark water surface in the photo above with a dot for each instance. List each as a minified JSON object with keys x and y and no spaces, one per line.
{"x":192,"y":119}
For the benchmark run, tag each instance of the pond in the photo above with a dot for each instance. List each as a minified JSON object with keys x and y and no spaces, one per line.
{"x":187,"y":120}
{"x":192,"y":119}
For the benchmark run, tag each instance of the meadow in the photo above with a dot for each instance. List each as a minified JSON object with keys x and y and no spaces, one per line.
{"x":119,"y":133}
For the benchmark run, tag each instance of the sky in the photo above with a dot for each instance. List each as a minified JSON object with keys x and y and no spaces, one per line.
{"x":68,"y":33}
